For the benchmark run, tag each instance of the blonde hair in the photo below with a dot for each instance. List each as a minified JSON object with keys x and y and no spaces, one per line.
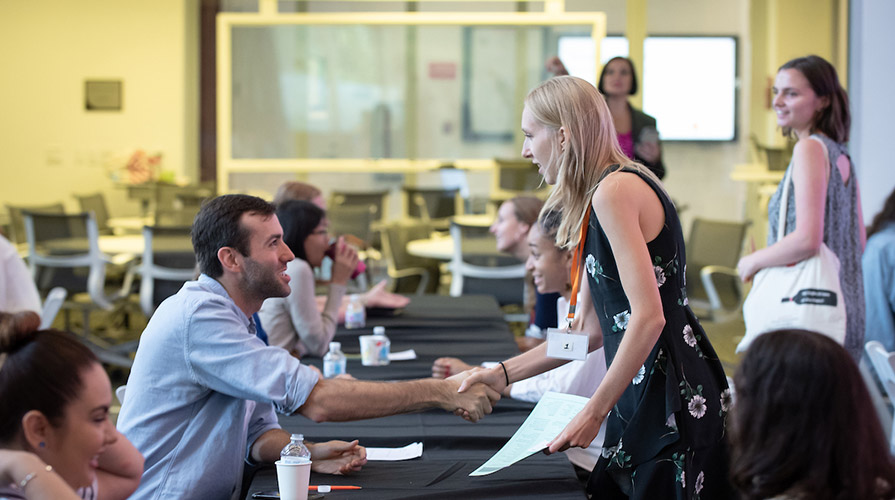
{"x":295,"y":190}
{"x":591,"y":148}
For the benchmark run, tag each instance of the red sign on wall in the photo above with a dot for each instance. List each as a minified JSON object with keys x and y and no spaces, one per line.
{"x":443,"y":70}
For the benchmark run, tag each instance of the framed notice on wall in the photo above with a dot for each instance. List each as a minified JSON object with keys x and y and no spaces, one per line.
{"x":102,"y":95}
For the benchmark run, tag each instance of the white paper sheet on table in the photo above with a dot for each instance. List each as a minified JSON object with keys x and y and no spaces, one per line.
{"x":412,"y":450}
{"x":402,"y":355}
{"x":550,"y":416}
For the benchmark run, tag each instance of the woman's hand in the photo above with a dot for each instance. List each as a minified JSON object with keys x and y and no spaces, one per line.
{"x":445,"y":367}
{"x":493,"y":377}
{"x":337,"y":457}
{"x":344,"y":262}
{"x":580,"y":432}
{"x":747,"y":267}
{"x":649,"y":151}
{"x":378,"y":296}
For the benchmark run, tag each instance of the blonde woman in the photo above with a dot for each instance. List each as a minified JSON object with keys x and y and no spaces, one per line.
{"x":664,"y":397}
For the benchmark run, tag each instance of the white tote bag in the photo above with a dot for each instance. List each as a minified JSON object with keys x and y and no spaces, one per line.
{"x":806,"y":295}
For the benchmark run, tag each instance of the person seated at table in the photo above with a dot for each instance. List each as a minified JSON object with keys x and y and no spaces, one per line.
{"x":803,"y":425}
{"x":377,"y":296}
{"x":550,"y":266}
{"x":293,"y":322}
{"x":515,"y":217}
{"x":878,"y":266}
{"x":55,"y":432}
{"x":203,"y":390}
{"x":17,"y":289}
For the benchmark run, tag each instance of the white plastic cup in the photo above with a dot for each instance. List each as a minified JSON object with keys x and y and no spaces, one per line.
{"x":374,"y":350}
{"x":293,"y":479}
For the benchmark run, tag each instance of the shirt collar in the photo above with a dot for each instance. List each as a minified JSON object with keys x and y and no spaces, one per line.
{"x":216,"y":287}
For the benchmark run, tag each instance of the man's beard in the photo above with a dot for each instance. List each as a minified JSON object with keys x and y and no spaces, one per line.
{"x":260,"y":283}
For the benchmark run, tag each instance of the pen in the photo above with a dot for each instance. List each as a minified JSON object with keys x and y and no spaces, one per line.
{"x":323,"y":488}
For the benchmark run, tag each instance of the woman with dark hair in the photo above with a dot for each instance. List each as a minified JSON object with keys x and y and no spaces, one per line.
{"x":55,"y":432}
{"x":824,"y":203}
{"x":878,"y":264}
{"x":803,"y":425}
{"x":294,"y":322}
{"x":636,"y":130}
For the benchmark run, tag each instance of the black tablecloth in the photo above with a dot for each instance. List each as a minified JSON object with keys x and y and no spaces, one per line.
{"x":469,"y":327}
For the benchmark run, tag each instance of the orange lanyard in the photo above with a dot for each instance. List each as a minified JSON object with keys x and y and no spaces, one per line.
{"x":576,"y":267}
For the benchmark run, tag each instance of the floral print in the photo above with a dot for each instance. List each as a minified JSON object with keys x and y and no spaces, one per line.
{"x":697,"y":487}
{"x":621,"y":321}
{"x":697,"y":406}
{"x":660,"y":275}
{"x":725,"y":401}
{"x":640,"y":374}
{"x":689,"y":338}
{"x":590,"y":263}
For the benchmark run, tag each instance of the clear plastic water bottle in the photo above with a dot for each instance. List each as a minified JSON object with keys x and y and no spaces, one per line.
{"x":355,"y":314}
{"x":385,"y":345}
{"x":296,"y":452}
{"x":334,"y":361}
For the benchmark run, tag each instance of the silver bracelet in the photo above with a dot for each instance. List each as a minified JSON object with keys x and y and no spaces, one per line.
{"x":30,"y":476}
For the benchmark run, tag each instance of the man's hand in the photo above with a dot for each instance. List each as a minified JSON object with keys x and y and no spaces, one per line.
{"x":445,"y":367}
{"x":337,"y":457}
{"x":472,"y":404}
{"x":493,"y":377}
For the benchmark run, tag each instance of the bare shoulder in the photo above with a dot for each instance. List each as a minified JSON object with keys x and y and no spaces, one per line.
{"x":619,"y":191}
{"x":809,"y":151}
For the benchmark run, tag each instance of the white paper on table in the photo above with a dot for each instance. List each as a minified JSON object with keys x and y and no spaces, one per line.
{"x":412,"y":450}
{"x":402,"y":355}
{"x":550,"y":416}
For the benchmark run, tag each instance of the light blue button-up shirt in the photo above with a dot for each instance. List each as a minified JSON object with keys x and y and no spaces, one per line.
{"x":202,"y":389}
{"x":878,"y":263}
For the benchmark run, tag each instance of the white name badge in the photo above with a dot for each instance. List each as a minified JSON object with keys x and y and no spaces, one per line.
{"x":566,"y":344}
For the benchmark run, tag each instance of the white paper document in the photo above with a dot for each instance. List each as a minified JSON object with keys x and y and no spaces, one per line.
{"x":402,"y":355}
{"x":412,"y":450}
{"x":550,"y":416}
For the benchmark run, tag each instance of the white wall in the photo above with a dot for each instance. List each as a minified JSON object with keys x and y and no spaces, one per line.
{"x":871,"y":73}
{"x":50,"y":146}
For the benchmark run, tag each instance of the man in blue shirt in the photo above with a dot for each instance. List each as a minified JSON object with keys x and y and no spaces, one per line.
{"x":202,"y":394}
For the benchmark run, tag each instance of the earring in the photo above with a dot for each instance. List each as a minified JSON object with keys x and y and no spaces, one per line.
{"x":42,"y":444}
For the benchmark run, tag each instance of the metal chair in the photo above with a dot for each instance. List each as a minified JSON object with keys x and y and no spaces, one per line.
{"x":883,"y":363}
{"x":477,"y":266}
{"x":166,"y":265}
{"x":713,"y":285}
{"x":63,"y":250}
{"x":401,"y":266}
{"x":435,"y":206}
{"x":17,"y":220}
{"x":96,"y":203}
{"x":51,"y":306}
{"x":378,"y":200}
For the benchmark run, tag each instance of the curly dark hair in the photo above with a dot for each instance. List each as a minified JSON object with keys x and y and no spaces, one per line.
{"x":803,"y":424}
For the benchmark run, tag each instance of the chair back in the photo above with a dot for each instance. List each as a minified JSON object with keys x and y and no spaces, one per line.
{"x":168,"y":262}
{"x":352,"y":220}
{"x":518,"y":176}
{"x":377,"y":201}
{"x":433,"y":204}
{"x":17,"y":220}
{"x":408,"y":272}
{"x":478,"y":267}
{"x":60,"y":248}
{"x":883,"y":363}
{"x":96,"y":203}
{"x":51,"y":306}
{"x":713,"y":250}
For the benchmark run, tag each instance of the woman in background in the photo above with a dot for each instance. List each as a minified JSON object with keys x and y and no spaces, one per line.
{"x":803,"y":425}
{"x":824,"y":203}
{"x":55,"y":432}
{"x":878,"y":264}
{"x":294,"y":322}
{"x":637,"y":133}
{"x":515,"y":218}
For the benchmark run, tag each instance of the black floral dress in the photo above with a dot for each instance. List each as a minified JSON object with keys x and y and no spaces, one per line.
{"x":665,"y":438}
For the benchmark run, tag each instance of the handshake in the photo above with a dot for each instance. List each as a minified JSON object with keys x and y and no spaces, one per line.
{"x":475,"y":391}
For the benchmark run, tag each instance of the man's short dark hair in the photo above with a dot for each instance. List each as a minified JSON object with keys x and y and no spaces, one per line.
{"x":218,"y":225}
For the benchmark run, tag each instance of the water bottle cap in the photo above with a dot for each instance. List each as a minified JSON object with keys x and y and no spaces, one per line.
{"x":299,"y":437}
{"x":378,"y":330}
{"x":335,"y":346}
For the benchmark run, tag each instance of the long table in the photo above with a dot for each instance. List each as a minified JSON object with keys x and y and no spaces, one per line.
{"x":472,"y":328}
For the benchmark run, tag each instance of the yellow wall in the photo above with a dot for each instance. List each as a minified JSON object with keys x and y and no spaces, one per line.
{"x":50,"y":146}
